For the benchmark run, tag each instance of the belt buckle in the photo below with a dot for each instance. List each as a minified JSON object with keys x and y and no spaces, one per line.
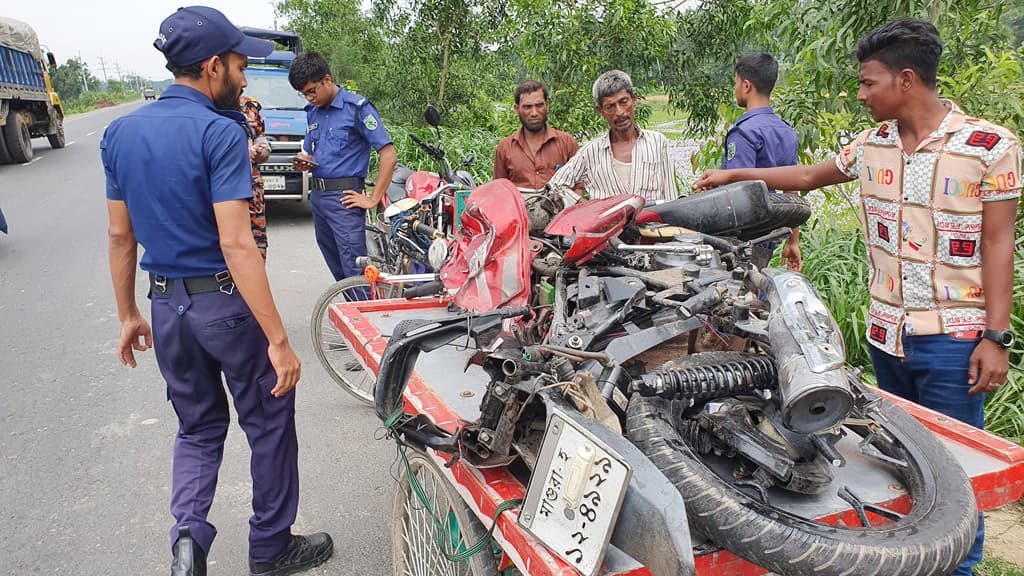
{"x":160,"y":283}
{"x":224,"y":283}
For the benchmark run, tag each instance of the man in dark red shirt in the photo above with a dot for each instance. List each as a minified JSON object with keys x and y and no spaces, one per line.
{"x":532,"y":155}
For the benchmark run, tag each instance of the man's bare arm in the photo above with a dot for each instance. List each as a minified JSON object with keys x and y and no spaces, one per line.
{"x":800,"y":178}
{"x":123,"y":248}
{"x":989,"y":362}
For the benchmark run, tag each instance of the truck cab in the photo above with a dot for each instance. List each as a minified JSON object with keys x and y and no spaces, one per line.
{"x":284,"y":115}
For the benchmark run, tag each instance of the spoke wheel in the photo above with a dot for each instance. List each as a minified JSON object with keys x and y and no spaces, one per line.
{"x":414,"y":538}
{"x":338,"y":360}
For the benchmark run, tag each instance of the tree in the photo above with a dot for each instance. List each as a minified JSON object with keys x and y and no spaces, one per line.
{"x":814,"y":41}
{"x":567,"y":44}
{"x":72,"y":79}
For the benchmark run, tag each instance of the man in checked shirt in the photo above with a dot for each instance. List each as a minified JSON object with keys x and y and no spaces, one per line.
{"x":939,"y":193}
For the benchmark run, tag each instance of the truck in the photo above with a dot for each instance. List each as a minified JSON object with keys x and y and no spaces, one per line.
{"x":29,"y":107}
{"x":284,"y":116}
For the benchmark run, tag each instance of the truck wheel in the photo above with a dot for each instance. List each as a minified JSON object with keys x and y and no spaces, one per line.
{"x":57,"y":139}
{"x":18,"y":139}
{"x":5,"y":158}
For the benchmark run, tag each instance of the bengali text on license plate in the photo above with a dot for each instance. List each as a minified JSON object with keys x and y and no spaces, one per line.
{"x":575,"y":494}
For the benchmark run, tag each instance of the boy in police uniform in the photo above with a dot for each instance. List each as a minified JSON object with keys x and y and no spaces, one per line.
{"x":179,"y":181}
{"x":939,"y":193}
{"x":342,"y":127}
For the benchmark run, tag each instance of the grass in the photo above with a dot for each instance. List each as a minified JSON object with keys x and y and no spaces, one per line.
{"x":661,"y":111}
{"x":94,"y":100}
{"x":997,"y":567}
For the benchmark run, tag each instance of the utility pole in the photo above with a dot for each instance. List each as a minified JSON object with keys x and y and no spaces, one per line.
{"x":81,"y":68}
{"x":103,"y":67}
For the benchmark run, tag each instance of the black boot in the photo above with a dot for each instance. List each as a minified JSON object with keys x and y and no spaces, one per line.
{"x":189,"y":558}
{"x":303,"y":553}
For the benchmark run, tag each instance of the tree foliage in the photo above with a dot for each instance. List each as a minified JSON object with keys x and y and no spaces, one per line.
{"x":814,"y":41}
{"x":68,"y":79}
{"x":463,"y":55}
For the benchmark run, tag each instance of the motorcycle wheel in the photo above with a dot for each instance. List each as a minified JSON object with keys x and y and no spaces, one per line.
{"x":414,"y":536}
{"x":332,"y":350}
{"x":931,"y":539}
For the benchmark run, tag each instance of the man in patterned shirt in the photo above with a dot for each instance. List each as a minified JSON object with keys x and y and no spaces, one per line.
{"x":939,"y":193}
{"x":625,"y":160}
{"x":259,"y":152}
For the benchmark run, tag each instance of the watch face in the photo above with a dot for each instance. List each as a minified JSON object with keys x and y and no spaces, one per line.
{"x":1008,"y":339}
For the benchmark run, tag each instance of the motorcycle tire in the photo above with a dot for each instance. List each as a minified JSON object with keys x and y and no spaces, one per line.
{"x":931,"y":539}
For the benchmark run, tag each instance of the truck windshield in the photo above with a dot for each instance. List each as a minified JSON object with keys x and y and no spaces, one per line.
{"x":273,"y":90}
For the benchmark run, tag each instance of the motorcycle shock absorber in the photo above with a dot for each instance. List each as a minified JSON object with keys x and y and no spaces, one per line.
{"x":710,"y":381}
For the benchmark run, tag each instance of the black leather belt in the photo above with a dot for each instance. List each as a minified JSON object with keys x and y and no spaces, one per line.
{"x":323,"y":184}
{"x":219,"y":282}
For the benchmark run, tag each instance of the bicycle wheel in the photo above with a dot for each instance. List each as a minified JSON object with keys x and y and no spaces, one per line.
{"x":338,"y":360}
{"x":414,"y":537}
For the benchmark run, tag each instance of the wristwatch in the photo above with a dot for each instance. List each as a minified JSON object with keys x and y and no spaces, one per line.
{"x":1003,"y":338}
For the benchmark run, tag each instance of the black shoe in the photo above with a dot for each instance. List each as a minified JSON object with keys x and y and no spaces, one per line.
{"x":189,"y":558}
{"x":303,"y":553}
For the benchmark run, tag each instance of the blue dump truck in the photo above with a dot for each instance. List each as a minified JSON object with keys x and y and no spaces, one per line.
{"x":283,"y":115}
{"x":29,"y":108}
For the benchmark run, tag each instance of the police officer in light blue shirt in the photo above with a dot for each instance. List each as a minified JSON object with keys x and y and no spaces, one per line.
{"x":760,"y":138}
{"x":178,"y":183}
{"x":342,"y":127}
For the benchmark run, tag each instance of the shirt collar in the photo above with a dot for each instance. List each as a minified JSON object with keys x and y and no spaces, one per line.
{"x":605,"y":141}
{"x":755,"y":112}
{"x":952,"y":122}
{"x":520,"y":135}
{"x":191,"y":94}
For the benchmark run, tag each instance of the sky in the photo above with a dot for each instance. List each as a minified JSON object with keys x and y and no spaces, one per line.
{"x":119,"y":32}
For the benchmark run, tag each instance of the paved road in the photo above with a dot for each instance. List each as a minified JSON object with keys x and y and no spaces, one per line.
{"x":85,"y":444}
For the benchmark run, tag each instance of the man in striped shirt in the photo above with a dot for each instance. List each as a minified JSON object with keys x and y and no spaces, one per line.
{"x":625,"y":160}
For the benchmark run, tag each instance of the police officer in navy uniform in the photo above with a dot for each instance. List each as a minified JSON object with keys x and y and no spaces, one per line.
{"x":179,"y":183}
{"x":342,"y":127}
{"x":760,"y":138}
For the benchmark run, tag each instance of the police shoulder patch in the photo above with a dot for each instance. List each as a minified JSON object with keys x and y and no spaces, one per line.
{"x":731,"y":150}
{"x":370,"y":122}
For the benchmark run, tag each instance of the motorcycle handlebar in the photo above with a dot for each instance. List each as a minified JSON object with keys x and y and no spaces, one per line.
{"x":426,"y":289}
{"x":433,"y":151}
{"x":422,"y":228}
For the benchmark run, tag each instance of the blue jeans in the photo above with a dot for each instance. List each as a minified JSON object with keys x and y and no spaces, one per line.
{"x":933,"y":373}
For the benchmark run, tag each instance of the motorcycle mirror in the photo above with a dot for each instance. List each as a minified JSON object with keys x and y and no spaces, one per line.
{"x":438,"y":253}
{"x":432,"y":115}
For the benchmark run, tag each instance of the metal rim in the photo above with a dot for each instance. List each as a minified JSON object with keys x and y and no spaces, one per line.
{"x":337,"y":359}
{"x":416,"y":547}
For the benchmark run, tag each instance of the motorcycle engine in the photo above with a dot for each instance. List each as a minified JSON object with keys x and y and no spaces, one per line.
{"x":702,"y":257}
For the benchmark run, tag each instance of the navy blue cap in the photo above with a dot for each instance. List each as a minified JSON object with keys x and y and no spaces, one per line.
{"x":196,"y":33}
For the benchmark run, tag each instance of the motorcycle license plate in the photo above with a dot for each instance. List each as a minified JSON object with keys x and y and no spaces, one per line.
{"x":575,"y":494}
{"x":273,"y":183}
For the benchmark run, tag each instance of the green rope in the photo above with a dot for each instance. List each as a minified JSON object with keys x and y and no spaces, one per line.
{"x":440,"y":528}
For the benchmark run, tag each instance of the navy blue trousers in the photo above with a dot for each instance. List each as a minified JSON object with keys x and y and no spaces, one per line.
{"x":198,"y":338}
{"x":933,"y":373}
{"x":340,"y":233}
